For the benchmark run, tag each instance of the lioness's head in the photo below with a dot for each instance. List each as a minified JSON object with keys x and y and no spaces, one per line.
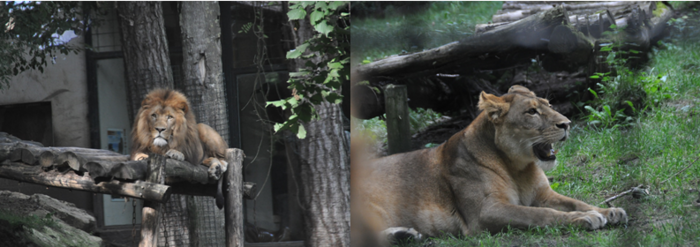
{"x":526,"y":126}
{"x":163,"y":117}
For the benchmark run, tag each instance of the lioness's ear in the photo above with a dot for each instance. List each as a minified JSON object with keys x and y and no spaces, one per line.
{"x":494,"y":106}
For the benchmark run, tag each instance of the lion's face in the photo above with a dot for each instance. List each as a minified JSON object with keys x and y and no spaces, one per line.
{"x":162,"y":122}
{"x":526,"y":126}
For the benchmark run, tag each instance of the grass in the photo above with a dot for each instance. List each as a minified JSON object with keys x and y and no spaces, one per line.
{"x":659,"y":150}
{"x":437,"y":24}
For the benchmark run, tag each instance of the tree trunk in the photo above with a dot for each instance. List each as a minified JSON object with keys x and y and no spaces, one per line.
{"x":325,"y":176}
{"x":325,"y":168}
{"x":145,"y":50}
{"x":204,"y":87}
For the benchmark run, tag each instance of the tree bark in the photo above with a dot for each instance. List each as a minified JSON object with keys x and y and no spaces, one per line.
{"x":325,"y":167}
{"x":204,"y":87}
{"x":145,"y":50}
{"x":203,"y":75}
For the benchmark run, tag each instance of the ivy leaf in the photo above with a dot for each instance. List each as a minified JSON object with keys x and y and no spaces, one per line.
{"x":296,"y":14}
{"x":298,"y":51}
{"x":323,"y":27}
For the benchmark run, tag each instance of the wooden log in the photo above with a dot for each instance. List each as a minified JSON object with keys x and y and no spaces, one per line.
{"x":34,"y":174}
{"x":525,"y":33}
{"x":567,"y":41}
{"x":398,"y":128}
{"x":25,"y":155}
{"x":185,"y":188}
{"x":150,"y":214}
{"x":69,"y":160}
{"x":46,"y":159}
{"x":234,"y":200}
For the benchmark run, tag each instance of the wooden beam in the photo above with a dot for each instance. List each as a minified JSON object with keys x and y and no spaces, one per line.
{"x":233,"y":209}
{"x":398,"y":128}
{"x":69,"y":180}
{"x":151,"y":211}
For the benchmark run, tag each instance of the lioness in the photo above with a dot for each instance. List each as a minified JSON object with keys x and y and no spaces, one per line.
{"x":486,"y":177}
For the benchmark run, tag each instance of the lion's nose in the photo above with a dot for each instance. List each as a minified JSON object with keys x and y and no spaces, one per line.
{"x":160,"y":129}
{"x":564,"y":125}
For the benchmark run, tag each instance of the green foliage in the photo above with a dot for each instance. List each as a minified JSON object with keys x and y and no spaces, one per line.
{"x":28,"y":39}
{"x":326,"y":68}
{"x":622,"y":93}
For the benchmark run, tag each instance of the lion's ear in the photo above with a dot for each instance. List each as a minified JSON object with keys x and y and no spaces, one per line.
{"x":146,"y":102}
{"x":183,"y":106}
{"x":494,"y":106}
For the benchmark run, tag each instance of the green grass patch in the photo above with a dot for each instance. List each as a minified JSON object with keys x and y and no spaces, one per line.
{"x":438,"y":24}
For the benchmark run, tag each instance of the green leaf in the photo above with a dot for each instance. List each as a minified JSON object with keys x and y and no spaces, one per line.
{"x":335,"y":4}
{"x":298,"y":74}
{"x":279,"y":103}
{"x":336,"y":65}
{"x":296,"y":14}
{"x":298,"y":51}
{"x":301,"y":132}
{"x":592,"y":77}
{"x":366,"y":61}
{"x":334,"y":98}
{"x":316,"y":16}
{"x":278,"y":126}
{"x":323,"y":27}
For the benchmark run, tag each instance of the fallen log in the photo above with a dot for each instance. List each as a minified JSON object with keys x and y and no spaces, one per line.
{"x":525,"y":33}
{"x":34,"y":174}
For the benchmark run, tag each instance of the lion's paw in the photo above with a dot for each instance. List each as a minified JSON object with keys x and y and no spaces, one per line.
{"x":174,"y":154}
{"x":217,"y":168}
{"x":400,"y":234}
{"x":140,"y":156}
{"x":590,"y":220}
{"x":614,"y":215}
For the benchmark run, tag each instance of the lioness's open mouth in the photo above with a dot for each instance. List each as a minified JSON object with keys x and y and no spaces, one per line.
{"x":544,"y":151}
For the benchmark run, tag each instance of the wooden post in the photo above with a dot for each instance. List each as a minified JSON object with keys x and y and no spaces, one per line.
{"x":233,"y":207}
{"x":150,"y":215}
{"x":398,"y":127}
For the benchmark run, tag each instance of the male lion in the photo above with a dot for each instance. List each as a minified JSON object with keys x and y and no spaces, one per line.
{"x":486,"y":177}
{"x":165,"y":125}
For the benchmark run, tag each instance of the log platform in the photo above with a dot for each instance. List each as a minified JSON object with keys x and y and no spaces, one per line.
{"x":101,"y":171}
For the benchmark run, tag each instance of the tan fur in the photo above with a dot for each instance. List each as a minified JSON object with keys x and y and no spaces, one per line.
{"x":486,"y":177}
{"x":181,"y":136}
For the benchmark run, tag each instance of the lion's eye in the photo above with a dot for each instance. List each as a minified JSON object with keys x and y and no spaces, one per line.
{"x":153,"y":115}
{"x":532,"y":111}
{"x":170,"y":117}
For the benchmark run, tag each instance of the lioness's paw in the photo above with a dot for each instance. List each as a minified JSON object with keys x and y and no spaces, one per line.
{"x":395,"y":235}
{"x":614,"y":215}
{"x":174,"y":154}
{"x":590,"y":220}
{"x":216,"y":169}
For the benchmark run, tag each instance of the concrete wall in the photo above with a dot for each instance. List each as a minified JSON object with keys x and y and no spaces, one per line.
{"x":64,"y":84}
